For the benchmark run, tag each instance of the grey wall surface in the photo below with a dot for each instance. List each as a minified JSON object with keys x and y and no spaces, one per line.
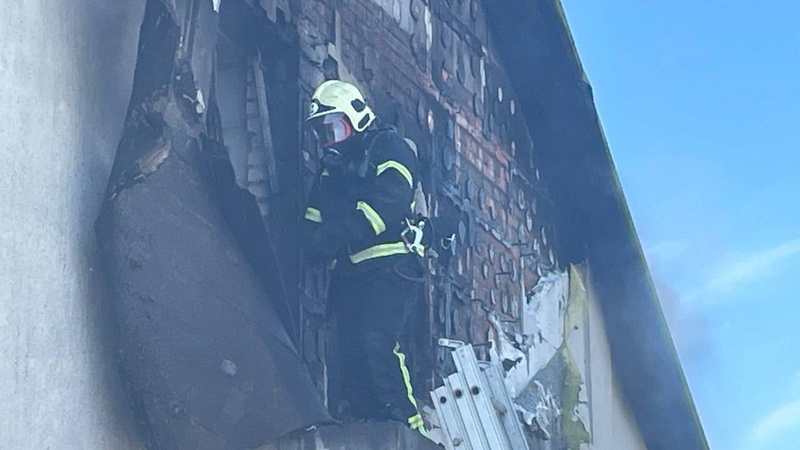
{"x":613,"y":424}
{"x":66,"y":69}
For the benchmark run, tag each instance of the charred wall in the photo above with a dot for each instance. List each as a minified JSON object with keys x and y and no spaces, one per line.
{"x":429,"y":69}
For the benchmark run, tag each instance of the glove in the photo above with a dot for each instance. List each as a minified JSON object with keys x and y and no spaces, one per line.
{"x":332,"y":161}
{"x":326,"y":242}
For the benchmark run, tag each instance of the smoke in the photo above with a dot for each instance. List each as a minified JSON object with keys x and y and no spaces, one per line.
{"x":690,"y":327}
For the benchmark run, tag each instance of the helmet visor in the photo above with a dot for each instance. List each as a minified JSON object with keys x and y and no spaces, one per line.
{"x":331,"y":128}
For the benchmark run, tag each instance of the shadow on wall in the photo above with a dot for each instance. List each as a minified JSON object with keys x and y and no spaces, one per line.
{"x":104,"y":49}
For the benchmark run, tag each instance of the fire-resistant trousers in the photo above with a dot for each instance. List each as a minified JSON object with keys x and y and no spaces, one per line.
{"x":371,"y":309}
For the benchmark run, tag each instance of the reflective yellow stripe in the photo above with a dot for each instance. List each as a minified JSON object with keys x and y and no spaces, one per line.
{"x":373,"y":217}
{"x":406,"y":378}
{"x":398,"y":167}
{"x":313,"y":215}
{"x":415,"y":422}
{"x":377,"y":251}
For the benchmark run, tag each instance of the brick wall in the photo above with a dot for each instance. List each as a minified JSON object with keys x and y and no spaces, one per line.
{"x":429,"y":68}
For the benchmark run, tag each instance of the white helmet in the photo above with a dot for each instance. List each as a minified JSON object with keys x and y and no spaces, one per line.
{"x":336,"y":96}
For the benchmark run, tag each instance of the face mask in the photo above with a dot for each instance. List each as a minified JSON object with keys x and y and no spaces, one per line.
{"x":332,"y":129}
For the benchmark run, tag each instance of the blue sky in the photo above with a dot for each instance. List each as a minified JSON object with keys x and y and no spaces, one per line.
{"x":700,"y":102}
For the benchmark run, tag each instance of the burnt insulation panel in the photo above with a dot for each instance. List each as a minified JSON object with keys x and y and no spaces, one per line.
{"x":206,"y":358}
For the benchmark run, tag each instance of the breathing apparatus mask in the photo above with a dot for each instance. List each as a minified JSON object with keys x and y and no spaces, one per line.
{"x":341,"y":152}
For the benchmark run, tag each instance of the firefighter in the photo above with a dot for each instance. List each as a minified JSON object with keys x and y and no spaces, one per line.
{"x":357,"y":216}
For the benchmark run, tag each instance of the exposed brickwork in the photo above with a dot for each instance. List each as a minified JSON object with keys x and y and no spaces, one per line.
{"x":430,"y":69}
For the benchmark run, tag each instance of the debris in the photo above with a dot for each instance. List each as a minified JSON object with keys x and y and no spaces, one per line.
{"x":524,"y":355}
{"x":543,"y":316}
{"x":504,"y":352}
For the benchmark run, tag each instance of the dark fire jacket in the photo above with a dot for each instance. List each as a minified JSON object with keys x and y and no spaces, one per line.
{"x":372,"y":207}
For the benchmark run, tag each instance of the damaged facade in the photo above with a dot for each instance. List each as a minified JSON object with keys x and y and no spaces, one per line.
{"x":546,"y":280}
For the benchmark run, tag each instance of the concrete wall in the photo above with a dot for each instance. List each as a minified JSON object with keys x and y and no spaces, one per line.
{"x":612,"y":424}
{"x":66,"y":69}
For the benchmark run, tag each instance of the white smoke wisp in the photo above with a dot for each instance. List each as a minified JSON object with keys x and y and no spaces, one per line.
{"x":743,"y":271}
